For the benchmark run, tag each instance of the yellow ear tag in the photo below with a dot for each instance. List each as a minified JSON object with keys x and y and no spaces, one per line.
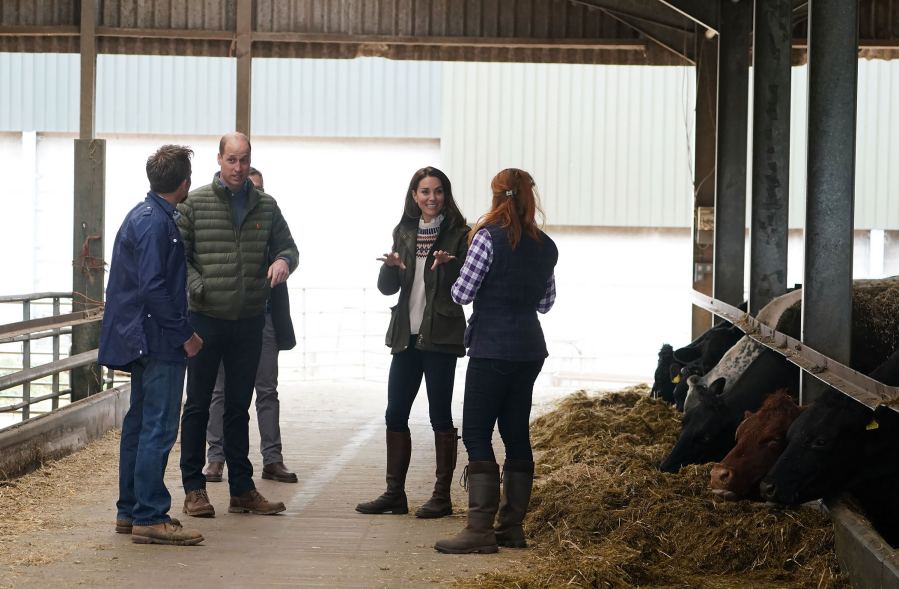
{"x":676,"y":379}
{"x":872,"y":425}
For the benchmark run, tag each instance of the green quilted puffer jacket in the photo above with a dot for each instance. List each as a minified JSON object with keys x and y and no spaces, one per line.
{"x":227,"y":267}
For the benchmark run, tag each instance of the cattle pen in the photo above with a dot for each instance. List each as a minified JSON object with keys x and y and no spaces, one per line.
{"x":602,"y":514}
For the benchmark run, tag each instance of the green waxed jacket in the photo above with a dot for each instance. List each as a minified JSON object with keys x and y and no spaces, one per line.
{"x":443,"y":325}
{"x":227,"y":268}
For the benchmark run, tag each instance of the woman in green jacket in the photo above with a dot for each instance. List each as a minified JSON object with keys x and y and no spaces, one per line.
{"x":425,"y":334}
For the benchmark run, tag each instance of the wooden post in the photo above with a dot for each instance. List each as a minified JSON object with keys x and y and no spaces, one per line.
{"x":244,"y":47}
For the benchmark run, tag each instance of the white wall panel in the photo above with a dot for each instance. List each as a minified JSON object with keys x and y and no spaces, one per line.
{"x":607,"y":145}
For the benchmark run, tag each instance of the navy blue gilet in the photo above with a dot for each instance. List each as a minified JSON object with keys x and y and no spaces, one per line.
{"x":504,"y":324}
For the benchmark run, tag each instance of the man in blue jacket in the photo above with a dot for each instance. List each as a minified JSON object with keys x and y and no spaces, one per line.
{"x":146,"y":332}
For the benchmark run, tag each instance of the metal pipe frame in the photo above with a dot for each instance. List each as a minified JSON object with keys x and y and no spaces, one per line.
{"x":829,"y":371}
{"x":769,"y":217}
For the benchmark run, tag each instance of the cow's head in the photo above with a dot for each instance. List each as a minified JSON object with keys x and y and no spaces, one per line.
{"x":761,"y":438}
{"x":824,"y":447}
{"x":661,"y":383}
{"x":707,"y":432}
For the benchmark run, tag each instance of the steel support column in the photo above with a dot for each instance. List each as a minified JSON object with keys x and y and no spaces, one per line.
{"x":730,"y":178}
{"x":768,"y":226}
{"x":244,"y":46}
{"x":832,"y":94}
{"x":89,"y":206}
{"x":704,"y":175}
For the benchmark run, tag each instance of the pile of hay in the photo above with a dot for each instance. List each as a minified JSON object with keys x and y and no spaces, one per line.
{"x":603,"y":515}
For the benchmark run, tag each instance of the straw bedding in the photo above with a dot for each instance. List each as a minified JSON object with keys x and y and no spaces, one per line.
{"x":603,"y":515}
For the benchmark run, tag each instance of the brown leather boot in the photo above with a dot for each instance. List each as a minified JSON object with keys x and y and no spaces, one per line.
{"x":125,"y":526}
{"x":393,"y":500}
{"x":197,"y":504}
{"x":518,"y":478}
{"x":253,"y":502}
{"x":483,"y":501}
{"x":440,"y":504}
{"x":214,"y":472}
{"x":170,"y":532}
{"x":276,"y":471}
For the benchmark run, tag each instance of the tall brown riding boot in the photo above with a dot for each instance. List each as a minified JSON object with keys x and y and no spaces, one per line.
{"x":440,"y":504}
{"x":483,"y":501}
{"x":518,"y":478}
{"x":393,"y":500}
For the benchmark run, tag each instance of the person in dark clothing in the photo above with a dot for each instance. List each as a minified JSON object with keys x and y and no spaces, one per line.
{"x":231,"y":234}
{"x":509,"y":274}
{"x":277,"y":335}
{"x":145,"y":331}
{"x":425,"y":335}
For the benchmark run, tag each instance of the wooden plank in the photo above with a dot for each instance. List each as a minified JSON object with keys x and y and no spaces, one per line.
{"x":428,"y":41}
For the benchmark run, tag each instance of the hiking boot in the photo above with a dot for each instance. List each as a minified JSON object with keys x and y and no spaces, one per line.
{"x":197,"y":504}
{"x":170,"y":532}
{"x":214,"y":472}
{"x":124,"y":525}
{"x":253,"y":502}
{"x":276,"y":471}
{"x":393,"y":500}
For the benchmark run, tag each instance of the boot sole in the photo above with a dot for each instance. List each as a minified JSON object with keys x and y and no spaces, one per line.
{"x":279,"y":479}
{"x":166,"y":541}
{"x":397,"y":511}
{"x":256,"y":511}
{"x":492,"y":549}
{"x":200,"y":512}
{"x":512,"y":544}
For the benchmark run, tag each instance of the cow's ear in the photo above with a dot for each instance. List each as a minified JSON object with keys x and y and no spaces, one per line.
{"x":717,"y":387}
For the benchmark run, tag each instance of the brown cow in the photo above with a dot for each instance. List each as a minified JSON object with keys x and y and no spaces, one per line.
{"x":761,"y":438}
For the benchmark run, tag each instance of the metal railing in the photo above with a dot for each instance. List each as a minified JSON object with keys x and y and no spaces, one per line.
{"x":24,"y":377}
{"x":852,"y":383}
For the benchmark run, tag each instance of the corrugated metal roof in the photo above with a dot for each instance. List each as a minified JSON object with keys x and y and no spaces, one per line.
{"x":606,"y":145}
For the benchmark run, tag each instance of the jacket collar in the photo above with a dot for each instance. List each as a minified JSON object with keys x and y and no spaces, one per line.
{"x":224,"y":193}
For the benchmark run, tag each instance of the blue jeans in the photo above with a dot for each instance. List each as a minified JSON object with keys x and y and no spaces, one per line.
{"x":148,"y":434}
{"x":498,"y":391}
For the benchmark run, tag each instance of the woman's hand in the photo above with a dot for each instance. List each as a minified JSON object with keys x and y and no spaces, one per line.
{"x":392,"y":259}
{"x":441,"y":257}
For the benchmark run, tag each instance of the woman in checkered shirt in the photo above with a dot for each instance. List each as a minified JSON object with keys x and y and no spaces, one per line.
{"x":509,"y":275}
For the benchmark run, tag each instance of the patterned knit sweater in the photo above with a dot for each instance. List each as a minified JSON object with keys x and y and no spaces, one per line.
{"x":427,"y":236}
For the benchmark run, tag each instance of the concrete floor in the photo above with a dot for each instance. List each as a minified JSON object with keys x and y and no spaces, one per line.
{"x":333,"y":438}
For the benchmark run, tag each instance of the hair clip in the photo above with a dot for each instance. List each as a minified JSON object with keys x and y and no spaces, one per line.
{"x":510,"y":193}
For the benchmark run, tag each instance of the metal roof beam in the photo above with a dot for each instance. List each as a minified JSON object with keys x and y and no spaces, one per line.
{"x":701,"y":12}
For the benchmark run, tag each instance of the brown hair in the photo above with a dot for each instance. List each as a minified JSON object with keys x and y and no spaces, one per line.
{"x":515,"y":206}
{"x":168,"y":168}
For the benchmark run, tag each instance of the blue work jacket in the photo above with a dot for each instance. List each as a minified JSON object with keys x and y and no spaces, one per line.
{"x":146,"y":296}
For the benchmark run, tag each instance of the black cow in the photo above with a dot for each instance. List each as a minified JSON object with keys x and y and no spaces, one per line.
{"x":830,"y":444}
{"x":707,"y":434}
{"x":674,"y":366}
{"x":876,"y":486}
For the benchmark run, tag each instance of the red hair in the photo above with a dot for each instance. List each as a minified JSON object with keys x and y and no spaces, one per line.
{"x":515,"y":206}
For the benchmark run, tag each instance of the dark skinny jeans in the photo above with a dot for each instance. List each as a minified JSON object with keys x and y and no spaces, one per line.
{"x":498,"y":391}
{"x":406,"y":370}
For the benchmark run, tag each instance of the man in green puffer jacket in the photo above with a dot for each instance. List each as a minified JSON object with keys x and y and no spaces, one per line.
{"x":230,"y":231}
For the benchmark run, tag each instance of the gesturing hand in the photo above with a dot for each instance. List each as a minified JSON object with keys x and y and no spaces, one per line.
{"x":441,"y":257}
{"x":392,"y":259}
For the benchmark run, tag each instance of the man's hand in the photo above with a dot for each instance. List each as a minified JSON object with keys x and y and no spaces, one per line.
{"x":441,"y":257}
{"x":278,"y":272}
{"x":193,"y":346}
{"x":392,"y":259}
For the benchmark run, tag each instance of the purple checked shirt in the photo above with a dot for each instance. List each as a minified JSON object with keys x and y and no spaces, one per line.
{"x":477,"y":263}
